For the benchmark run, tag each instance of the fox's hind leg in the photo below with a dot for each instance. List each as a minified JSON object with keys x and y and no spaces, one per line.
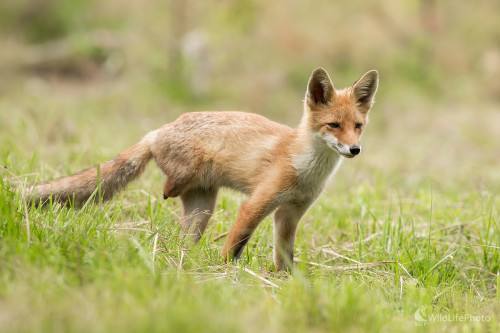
{"x":198,"y":206}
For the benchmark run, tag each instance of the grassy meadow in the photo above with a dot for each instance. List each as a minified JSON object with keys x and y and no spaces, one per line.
{"x":405,"y":238}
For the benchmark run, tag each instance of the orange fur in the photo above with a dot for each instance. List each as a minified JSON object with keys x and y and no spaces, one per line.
{"x":277,"y":166}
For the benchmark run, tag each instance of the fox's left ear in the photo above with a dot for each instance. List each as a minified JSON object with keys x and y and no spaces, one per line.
{"x":364,"y":90}
{"x":320,"y":90}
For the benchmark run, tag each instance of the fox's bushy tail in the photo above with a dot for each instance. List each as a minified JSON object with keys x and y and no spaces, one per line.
{"x":113,"y":176}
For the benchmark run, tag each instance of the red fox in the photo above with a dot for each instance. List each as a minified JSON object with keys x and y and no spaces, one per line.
{"x":278,"y":167}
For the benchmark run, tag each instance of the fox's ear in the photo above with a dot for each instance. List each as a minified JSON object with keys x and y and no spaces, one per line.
{"x":364,"y":90}
{"x":320,"y":88}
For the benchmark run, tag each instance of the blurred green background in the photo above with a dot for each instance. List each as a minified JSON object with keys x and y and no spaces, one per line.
{"x":81,"y":80}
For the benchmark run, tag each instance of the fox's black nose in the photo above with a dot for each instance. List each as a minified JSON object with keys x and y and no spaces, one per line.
{"x":355,"y":150}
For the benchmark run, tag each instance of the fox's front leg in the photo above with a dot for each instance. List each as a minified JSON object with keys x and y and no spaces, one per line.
{"x":251,"y":213}
{"x":286,"y":219}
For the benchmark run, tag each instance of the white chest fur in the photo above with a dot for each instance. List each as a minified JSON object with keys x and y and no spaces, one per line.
{"x":314,"y":166}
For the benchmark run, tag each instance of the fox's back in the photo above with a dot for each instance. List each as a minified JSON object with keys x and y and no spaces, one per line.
{"x":228,"y":148}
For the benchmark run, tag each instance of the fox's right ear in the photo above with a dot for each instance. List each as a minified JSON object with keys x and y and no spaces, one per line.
{"x":320,"y":90}
{"x":364,"y":90}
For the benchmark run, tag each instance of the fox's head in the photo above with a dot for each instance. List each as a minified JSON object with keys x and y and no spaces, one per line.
{"x":340,"y":116}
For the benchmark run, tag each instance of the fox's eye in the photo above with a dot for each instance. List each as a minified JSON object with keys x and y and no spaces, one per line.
{"x":334,"y":125}
{"x":359,"y":126}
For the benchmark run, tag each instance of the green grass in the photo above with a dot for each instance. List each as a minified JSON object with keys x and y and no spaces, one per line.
{"x":121,"y":266}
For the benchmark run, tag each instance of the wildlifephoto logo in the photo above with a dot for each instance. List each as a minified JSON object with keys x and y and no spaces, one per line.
{"x":422,"y":318}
